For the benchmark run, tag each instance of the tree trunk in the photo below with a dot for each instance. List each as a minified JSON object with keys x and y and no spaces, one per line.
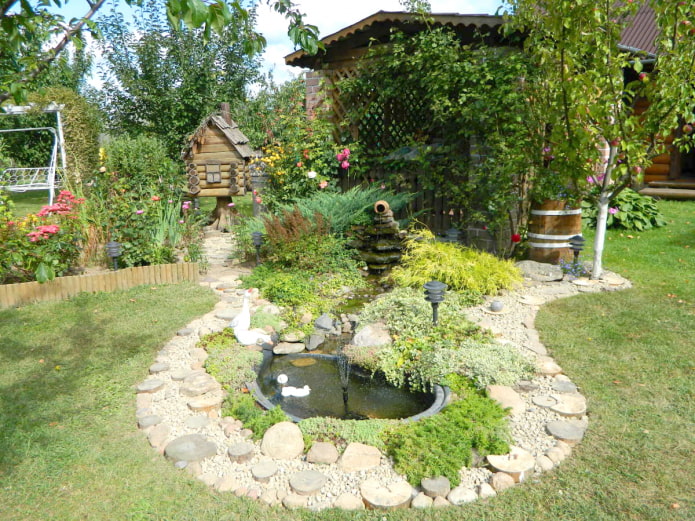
{"x":223,"y":215}
{"x":600,"y":239}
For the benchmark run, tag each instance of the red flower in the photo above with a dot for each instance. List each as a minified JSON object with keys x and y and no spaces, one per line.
{"x":156,"y":198}
{"x":516,"y":237}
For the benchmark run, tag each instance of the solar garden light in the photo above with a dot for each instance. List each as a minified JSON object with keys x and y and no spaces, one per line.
{"x":576,"y":245}
{"x":452,"y":235}
{"x":434,"y":294}
{"x":113,"y":251}
{"x":257,"y":238}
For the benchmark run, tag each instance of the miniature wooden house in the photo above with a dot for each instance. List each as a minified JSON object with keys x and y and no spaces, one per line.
{"x":217,"y":158}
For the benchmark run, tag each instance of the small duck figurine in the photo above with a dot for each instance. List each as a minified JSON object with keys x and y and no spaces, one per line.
{"x":288,"y":390}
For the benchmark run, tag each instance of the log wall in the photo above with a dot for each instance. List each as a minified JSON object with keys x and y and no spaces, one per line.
{"x":12,"y":295}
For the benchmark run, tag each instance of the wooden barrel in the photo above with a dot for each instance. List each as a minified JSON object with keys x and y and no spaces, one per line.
{"x":550,"y":227}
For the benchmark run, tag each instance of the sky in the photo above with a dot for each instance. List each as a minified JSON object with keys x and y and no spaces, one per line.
{"x":328,"y":15}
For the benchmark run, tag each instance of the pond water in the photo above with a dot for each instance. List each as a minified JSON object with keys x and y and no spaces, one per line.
{"x":367,"y":396}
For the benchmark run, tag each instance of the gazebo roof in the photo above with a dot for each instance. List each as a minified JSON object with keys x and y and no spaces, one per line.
{"x":378,"y":27}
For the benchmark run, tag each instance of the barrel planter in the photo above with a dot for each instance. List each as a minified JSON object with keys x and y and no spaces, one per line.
{"x":550,"y":227}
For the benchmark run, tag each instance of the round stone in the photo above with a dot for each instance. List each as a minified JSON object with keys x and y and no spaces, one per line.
{"x":386,"y":497}
{"x":240,"y":452}
{"x":461,"y":495}
{"x":150,"y":386}
{"x":555,"y":455}
{"x":308,"y":482}
{"x":358,"y":456}
{"x":439,"y":486}
{"x":205,"y":403}
{"x":544,"y":401}
{"x":227,"y":313}
{"x":283,"y":440}
{"x":544,"y":463}
{"x":501,"y":481}
{"x":517,"y":463}
{"x":263,"y":471}
{"x":149,"y":421}
{"x":186,"y":331}
{"x":569,"y":431}
{"x":159,"y":367}
{"x":288,"y":348}
{"x":496,"y":306}
{"x":293,"y":501}
{"x":571,"y":405}
{"x":322,"y":452}
{"x":563,"y":386}
{"x":198,"y":383}
{"x":422,"y":500}
{"x":347,"y":501}
{"x":485,"y":490}
{"x":192,"y":447}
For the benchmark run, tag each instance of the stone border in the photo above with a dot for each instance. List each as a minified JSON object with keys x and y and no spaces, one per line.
{"x":193,"y":434}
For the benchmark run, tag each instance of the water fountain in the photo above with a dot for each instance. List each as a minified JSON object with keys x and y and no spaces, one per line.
{"x":380,"y":244}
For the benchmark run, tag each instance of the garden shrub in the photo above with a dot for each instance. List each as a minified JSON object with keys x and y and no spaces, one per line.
{"x":441,"y":444}
{"x":244,"y":407}
{"x":42,"y":246}
{"x":629,"y":210}
{"x":492,"y":363}
{"x":458,"y":267}
{"x":228,"y":361}
{"x":342,"y":432}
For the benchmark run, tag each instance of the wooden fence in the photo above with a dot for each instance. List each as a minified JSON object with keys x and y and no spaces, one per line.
{"x":65,"y":287}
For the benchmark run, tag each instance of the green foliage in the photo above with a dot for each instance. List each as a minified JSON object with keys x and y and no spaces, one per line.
{"x":629,"y":211}
{"x":440,"y":445}
{"x":285,"y":288}
{"x":458,"y":267}
{"x":244,"y":407}
{"x":42,"y":246}
{"x":228,"y":361}
{"x":492,"y":363}
{"x":342,"y":432}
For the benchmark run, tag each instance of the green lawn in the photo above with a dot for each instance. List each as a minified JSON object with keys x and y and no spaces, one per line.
{"x":69,"y":447}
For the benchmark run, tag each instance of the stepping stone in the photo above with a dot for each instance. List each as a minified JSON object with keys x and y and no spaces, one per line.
{"x":547,"y":366}
{"x":241,"y":452}
{"x":227,"y":314}
{"x":294,"y":501}
{"x":288,"y":348}
{"x":570,"y":405}
{"x":555,"y":454}
{"x":544,"y":401}
{"x":192,"y":447}
{"x":501,"y":481}
{"x":308,"y":482}
{"x":563,"y":386}
{"x":205,"y":403}
{"x":461,"y":495}
{"x":532,"y":300}
{"x":263,"y":471}
{"x":159,"y":367}
{"x":347,"y":501}
{"x":159,"y":435}
{"x":283,"y":440}
{"x":322,"y":452}
{"x":197,"y":422}
{"x":386,"y":497}
{"x":149,"y":421}
{"x":358,"y":456}
{"x":433,"y":487}
{"x":422,"y":500}
{"x":179,"y":375}
{"x":518,"y":463}
{"x":150,"y":386}
{"x":186,"y":331}
{"x":526,"y":386}
{"x":569,"y":431}
{"x":199,"y":383}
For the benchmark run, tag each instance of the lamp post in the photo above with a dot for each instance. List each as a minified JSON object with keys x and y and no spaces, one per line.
{"x":257,"y":238}
{"x":434,"y":294}
{"x":113,"y":251}
{"x":576,"y":245}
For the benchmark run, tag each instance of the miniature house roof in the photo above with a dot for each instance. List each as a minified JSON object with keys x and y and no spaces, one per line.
{"x":229,"y":129}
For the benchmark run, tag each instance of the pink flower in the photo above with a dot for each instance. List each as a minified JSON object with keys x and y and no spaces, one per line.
{"x":181,"y":221}
{"x":258,"y":200}
{"x":323,"y":184}
{"x":344,"y":165}
{"x":346,"y":152}
{"x":230,"y":204}
{"x":255,"y":192}
{"x":340,"y":157}
{"x":139,"y":212}
{"x":300,"y":164}
{"x":170,"y":201}
{"x":383,"y":186}
{"x":612,"y":211}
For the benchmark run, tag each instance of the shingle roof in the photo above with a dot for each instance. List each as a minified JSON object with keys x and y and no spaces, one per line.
{"x":642,"y":32}
{"x":231,"y":131}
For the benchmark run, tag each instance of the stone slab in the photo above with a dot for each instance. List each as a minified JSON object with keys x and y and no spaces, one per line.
{"x":191,"y":447}
{"x":308,"y":482}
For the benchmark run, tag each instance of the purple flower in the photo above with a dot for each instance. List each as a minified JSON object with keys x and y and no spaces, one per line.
{"x":612,"y":211}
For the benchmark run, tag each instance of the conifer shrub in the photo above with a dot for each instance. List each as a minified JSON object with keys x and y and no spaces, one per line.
{"x":441,"y":444}
{"x":229,"y":362}
{"x":458,"y":267}
{"x":244,"y":407}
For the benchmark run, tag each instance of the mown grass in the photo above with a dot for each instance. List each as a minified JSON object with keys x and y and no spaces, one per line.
{"x":69,"y":448}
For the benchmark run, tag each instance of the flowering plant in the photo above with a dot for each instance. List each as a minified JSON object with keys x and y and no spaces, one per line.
{"x":42,"y":246}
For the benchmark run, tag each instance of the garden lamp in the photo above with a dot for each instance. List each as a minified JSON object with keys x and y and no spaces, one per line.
{"x":257,"y":238}
{"x":113,"y":251}
{"x":434,"y":294}
{"x":576,"y":245}
{"x":452,"y":235}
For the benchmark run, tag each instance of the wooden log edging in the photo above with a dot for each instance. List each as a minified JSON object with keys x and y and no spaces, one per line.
{"x":12,"y":295}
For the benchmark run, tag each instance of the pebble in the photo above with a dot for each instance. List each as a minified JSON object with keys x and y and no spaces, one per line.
{"x":371,"y":480}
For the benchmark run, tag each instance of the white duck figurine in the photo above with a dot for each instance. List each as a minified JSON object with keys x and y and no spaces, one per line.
{"x":243,"y":319}
{"x":299,"y":392}
{"x":248,"y":337}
